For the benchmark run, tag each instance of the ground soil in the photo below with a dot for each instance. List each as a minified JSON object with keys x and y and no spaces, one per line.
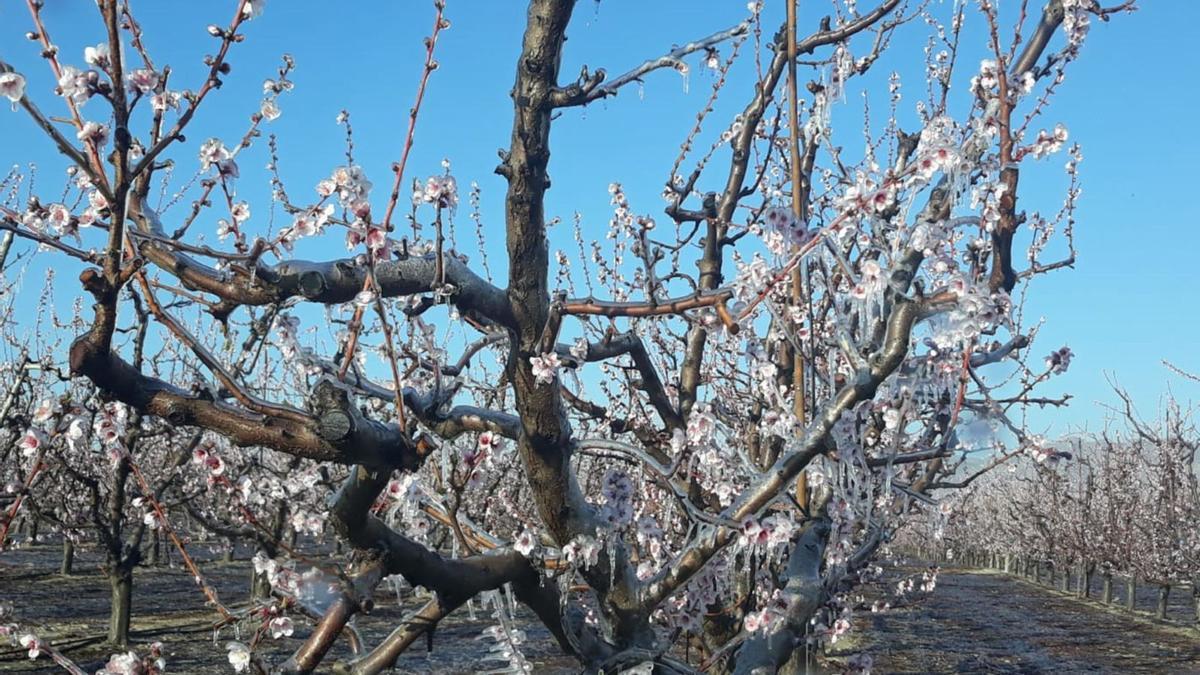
{"x":72,"y":611}
{"x":989,"y":622}
{"x":975,"y":622}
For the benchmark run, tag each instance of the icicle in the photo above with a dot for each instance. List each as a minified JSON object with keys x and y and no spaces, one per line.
{"x":445,"y":461}
{"x":641,"y":91}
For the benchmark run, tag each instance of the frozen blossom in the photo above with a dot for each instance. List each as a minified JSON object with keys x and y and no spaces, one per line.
{"x":12,"y":87}
{"x":281,"y":627}
{"x":582,"y":551}
{"x":269,"y":110}
{"x":31,"y":642}
{"x":98,"y":55}
{"x":239,"y":656}
{"x":525,"y":543}
{"x":75,"y":85}
{"x":93,"y":132}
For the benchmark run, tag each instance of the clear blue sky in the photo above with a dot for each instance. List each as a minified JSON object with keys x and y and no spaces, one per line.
{"x":1129,"y":303}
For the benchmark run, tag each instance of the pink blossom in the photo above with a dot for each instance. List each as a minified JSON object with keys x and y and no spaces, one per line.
{"x":93,"y":131}
{"x":46,"y":410}
{"x":33,"y":644}
{"x":167,"y":99}
{"x":58,"y":217}
{"x":32,"y":441}
{"x":441,"y":191}
{"x":489,"y":441}
{"x":753,"y":533}
{"x":545,"y":367}
{"x":142,"y":80}
{"x":281,"y":626}
{"x":127,"y":663}
{"x":525,"y":543}
{"x":212,"y":152}
{"x":240,"y":212}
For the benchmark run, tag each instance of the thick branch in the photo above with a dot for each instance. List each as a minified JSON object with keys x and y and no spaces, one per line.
{"x":331,"y":282}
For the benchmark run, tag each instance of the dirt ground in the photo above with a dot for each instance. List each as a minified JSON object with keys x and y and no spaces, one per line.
{"x":975,"y":622}
{"x":73,"y":612}
{"x":985,"y":622}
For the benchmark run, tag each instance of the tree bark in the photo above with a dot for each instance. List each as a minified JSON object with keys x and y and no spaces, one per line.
{"x":68,"y":556}
{"x":155,"y":549}
{"x":260,"y":585}
{"x":121,"y":583}
{"x":1196,"y":600}
{"x":1108,"y":588}
{"x":1164,"y":594}
{"x":1130,"y":593}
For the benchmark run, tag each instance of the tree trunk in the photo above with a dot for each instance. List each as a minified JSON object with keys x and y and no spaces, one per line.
{"x":260,"y":586}
{"x":1164,"y":593}
{"x":1196,"y":599}
{"x":1130,"y":591}
{"x":1037,"y":571}
{"x":32,"y":529}
{"x":1108,"y":589}
{"x":154,"y":548}
{"x":121,"y":581}
{"x":68,"y":556}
